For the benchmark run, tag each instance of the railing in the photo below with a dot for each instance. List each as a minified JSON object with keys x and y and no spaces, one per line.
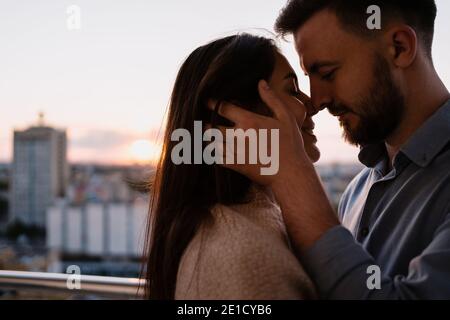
{"x":103,"y":287}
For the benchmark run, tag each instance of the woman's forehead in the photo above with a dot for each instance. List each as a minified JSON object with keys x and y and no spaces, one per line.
{"x":282,"y":67}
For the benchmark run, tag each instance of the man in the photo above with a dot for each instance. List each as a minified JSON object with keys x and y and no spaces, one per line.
{"x":382,"y":85}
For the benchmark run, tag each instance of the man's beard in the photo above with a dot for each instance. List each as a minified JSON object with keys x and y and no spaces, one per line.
{"x":379,"y":113}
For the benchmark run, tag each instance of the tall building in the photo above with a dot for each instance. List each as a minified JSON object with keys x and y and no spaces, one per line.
{"x":39,"y":172}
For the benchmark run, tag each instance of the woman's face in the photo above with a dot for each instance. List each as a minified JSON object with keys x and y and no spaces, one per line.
{"x":284,"y":82}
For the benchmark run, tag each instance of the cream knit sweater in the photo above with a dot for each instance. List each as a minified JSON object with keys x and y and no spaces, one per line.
{"x":244,"y":255}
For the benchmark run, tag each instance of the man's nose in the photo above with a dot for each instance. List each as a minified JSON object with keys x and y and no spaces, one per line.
{"x":320,"y":98}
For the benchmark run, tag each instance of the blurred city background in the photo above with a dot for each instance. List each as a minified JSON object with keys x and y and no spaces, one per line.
{"x":81,"y":113}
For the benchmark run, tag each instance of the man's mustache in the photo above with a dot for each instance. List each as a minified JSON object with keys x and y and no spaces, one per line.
{"x":338,"y":109}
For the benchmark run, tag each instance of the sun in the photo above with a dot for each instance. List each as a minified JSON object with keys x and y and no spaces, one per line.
{"x":145,"y":151}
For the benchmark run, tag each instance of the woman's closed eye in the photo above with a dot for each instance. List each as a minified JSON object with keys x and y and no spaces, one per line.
{"x":295,"y":93}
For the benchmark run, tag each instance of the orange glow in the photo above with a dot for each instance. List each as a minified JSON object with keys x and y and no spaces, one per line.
{"x":145,"y":151}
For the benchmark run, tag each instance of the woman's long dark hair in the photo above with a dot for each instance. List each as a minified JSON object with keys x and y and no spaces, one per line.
{"x":227,"y":69}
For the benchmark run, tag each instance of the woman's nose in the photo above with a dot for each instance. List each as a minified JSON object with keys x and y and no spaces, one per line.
{"x":310,"y":110}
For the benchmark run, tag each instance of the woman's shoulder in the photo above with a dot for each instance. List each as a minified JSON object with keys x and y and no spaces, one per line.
{"x":239,"y":223}
{"x":261,"y":214}
{"x":233,"y":233}
{"x":240,"y":254}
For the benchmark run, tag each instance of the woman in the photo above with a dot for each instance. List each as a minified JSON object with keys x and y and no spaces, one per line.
{"x":215,"y":234}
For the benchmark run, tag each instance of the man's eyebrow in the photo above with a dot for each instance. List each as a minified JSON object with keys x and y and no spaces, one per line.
{"x":316,"y":66}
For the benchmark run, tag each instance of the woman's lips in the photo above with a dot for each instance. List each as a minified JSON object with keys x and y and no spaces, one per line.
{"x":308,"y":128}
{"x":308,"y":124}
{"x":310,"y":132}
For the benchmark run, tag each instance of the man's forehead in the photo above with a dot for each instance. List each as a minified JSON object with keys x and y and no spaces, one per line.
{"x":321,"y":38}
{"x":322,"y":28}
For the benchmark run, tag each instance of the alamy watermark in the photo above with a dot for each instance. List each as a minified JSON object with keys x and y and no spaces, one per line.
{"x":73,"y":21}
{"x":374,"y":280}
{"x":236,"y":142}
{"x":374,"y":21}
{"x":73,"y":281}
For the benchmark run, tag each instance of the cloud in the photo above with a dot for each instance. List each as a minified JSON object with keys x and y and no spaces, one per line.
{"x":105,"y":146}
{"x":105,"y":139}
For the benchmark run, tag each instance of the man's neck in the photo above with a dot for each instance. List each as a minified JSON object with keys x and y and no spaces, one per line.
{"x":420,"y":104}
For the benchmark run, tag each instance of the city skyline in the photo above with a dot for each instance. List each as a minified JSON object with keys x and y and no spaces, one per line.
{"x":108,"y":84}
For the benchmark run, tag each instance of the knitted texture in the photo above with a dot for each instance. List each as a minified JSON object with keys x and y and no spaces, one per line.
{"x":243,"y":254}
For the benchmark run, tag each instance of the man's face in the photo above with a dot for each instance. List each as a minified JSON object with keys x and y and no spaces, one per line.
{"x":350,"y":77}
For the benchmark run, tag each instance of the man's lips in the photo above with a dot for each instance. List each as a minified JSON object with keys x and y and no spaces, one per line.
{"x":338,"y":111}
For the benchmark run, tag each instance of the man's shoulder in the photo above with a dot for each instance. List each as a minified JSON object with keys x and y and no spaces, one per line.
{"x":443,"y":158}
{"x":434,"y":177}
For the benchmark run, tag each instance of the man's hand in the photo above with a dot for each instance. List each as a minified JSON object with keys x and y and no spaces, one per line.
{"x":291,"y":149}
{"x":306,"y":209}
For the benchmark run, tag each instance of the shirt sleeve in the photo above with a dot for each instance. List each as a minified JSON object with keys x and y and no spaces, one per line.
{"x":428,"y":275}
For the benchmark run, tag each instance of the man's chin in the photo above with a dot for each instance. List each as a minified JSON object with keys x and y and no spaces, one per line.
{"x":353,"y":137}
{"x":348,"y":133}
{"x":362,"y":137}
{"x":355,"y":133}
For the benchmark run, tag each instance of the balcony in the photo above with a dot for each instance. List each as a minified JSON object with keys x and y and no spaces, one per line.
{"x":43,"y":285}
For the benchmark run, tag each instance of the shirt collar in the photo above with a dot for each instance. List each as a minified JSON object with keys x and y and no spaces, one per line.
{"x":423,"y":146}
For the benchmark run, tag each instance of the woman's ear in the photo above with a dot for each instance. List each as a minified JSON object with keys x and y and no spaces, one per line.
{"x":402,"y":45}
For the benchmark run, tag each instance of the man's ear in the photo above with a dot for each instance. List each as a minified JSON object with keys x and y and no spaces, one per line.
{"x":402,"y":45}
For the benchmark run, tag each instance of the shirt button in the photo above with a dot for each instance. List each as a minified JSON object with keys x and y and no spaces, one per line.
{"x":364,"y":232}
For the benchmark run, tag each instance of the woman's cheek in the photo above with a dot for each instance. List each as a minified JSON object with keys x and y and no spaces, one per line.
{"x":300,"y":116}
{"x":298,"y":110}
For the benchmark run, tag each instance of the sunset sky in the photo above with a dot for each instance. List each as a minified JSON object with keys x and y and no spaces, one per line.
{"x":109,"y":83}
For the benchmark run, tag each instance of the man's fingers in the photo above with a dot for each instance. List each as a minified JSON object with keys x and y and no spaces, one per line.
{"x":271,"y":100}
{"x":228,"y":155}
{"x":222,"y":129}
{"x":232,"y":112}
{"x":213,"y":104}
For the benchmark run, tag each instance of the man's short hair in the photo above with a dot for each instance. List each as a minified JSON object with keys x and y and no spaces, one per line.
{"x":352,"y":14}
